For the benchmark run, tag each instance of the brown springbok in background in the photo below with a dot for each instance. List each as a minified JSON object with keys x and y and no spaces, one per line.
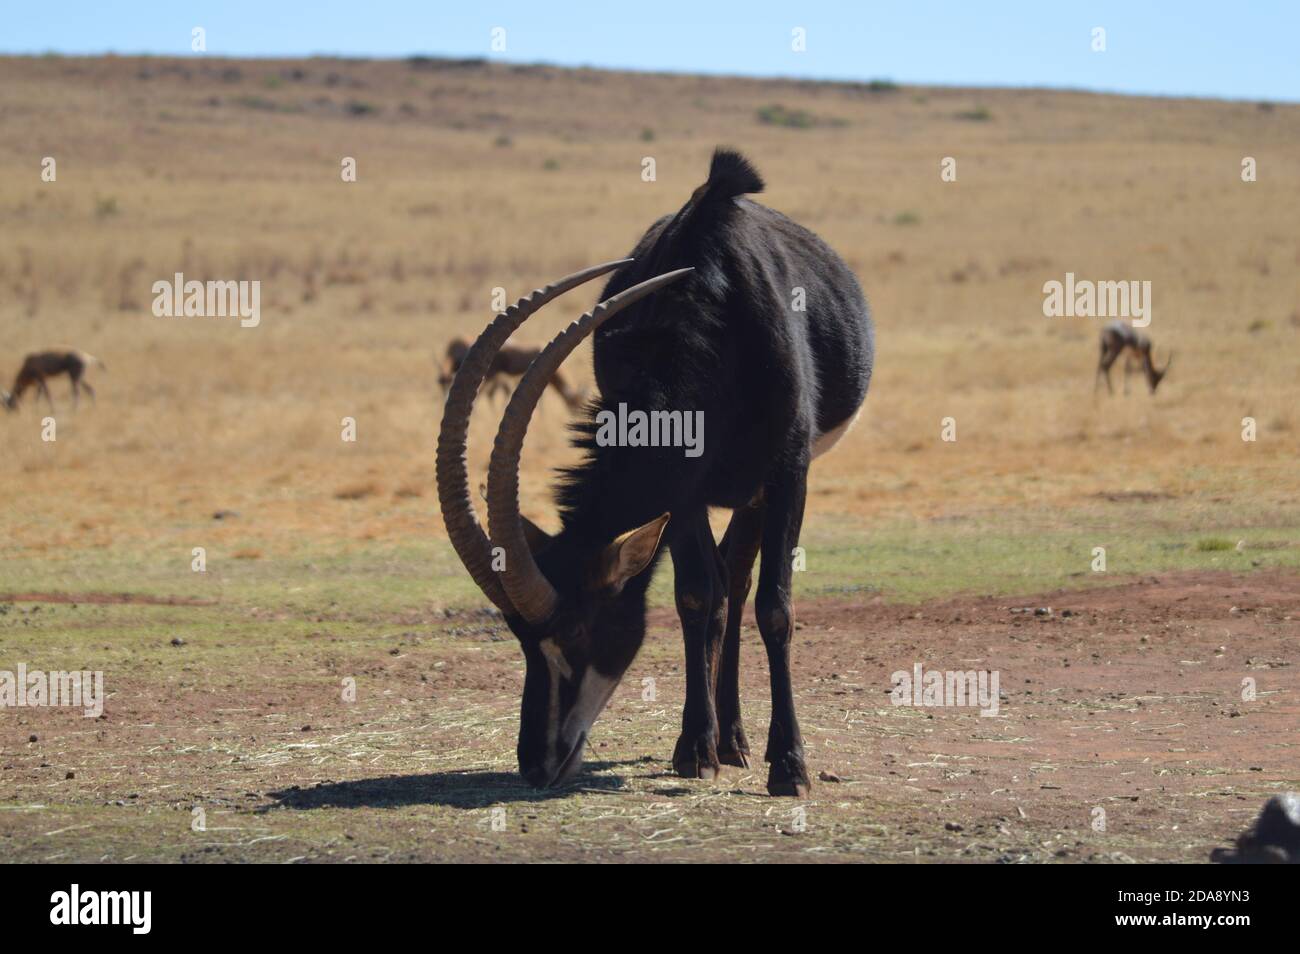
{"x":1118,"y":339}
{"x":40,"y":365}
{"x":509,"y":362}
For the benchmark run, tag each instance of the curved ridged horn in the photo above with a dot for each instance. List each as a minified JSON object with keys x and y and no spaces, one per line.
{"x":463,"y":528}
{"x":526,"y":585}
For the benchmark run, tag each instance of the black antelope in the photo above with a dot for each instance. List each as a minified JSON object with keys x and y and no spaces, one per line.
{"x":700,"y":318}
{"x":1118,"y":339}
{"x":42,"y":365}
{"x":509,"y":362}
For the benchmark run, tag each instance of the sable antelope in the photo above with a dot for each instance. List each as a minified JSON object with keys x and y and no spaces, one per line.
{"x":509,"y":361}
{"x":41,"y":365}
{"x":1118,"y":338}
{"x":698,"y":319}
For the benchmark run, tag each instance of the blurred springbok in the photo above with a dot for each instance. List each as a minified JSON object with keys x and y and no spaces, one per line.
{"x":41,"y":365}
{"x":1118,"y":339}
{"x":509,"y":362}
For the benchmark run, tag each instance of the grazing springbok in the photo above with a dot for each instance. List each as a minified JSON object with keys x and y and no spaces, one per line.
{"x":1118,"y":338}
{"x":700,"y":320}
{"x":509,"y":362}
{"x":41,"y":365}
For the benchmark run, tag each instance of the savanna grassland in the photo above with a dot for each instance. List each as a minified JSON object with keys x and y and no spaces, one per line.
{"x":329,"y":559}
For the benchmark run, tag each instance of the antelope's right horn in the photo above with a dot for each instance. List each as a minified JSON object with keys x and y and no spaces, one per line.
{"x":528,"y":589}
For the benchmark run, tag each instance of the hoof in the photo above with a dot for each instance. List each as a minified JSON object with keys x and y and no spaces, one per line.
{"x":692,"y":768}
{"x":788,"y":778}
{"x":696,"y":757}
{"x":733,"y":749}
{"x":736,"y":757}
{"x":787,"y":789}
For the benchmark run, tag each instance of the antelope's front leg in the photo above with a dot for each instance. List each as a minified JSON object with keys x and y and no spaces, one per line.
{"x":788,"y":774}
{"x":701,"y":607}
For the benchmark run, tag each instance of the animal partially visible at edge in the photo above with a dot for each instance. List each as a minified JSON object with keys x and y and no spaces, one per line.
{"x":699,"y":319}
{"x":40,"y":366}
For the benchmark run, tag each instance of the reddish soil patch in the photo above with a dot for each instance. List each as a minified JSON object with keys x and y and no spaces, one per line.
{"x":110,"y":598}
{"x":1129,"y":699}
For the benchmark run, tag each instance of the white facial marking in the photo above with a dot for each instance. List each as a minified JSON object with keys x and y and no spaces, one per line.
{"x":593,"y":695}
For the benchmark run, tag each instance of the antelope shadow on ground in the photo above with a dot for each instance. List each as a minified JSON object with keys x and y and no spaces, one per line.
{"x":454,"y":789}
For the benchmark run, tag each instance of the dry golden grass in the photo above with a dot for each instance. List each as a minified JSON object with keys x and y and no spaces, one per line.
{"x":473,"y":176}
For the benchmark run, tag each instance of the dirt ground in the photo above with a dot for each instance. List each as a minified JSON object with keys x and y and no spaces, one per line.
{"x":1123,"y":734}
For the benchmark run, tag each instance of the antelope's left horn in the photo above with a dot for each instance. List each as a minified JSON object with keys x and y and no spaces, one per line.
{"x":463,"y":529}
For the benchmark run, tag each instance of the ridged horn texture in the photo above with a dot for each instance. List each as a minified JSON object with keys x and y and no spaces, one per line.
{"x":525,"y":585}
{"x":467,"y":536}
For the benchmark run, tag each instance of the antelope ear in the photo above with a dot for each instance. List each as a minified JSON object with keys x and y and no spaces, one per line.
{"x":631,"y":553}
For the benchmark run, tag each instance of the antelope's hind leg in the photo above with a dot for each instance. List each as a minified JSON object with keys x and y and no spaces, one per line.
{"x":739,"y":550}
{"x":782,"y":522}
{"x":1103,"y":368}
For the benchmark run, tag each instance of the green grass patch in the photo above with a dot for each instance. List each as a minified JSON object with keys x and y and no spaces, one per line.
{"x":903,"y":560}
{"x":1210,"y":544}
{"x":778,"y":115}
{"x":913,"y":561}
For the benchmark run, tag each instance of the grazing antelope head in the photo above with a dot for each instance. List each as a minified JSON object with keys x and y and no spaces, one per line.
{"x":1119,"y":339}
{"x":456,"y":352}
{"x":575,"y":601}
{"x":1154,"y":377}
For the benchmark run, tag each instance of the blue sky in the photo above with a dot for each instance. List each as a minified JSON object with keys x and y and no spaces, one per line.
{"x":1239,"y":50}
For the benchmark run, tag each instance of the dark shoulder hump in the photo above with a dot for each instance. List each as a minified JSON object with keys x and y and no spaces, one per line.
{"x":688,"y":238}
{"x":730,"y":175}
